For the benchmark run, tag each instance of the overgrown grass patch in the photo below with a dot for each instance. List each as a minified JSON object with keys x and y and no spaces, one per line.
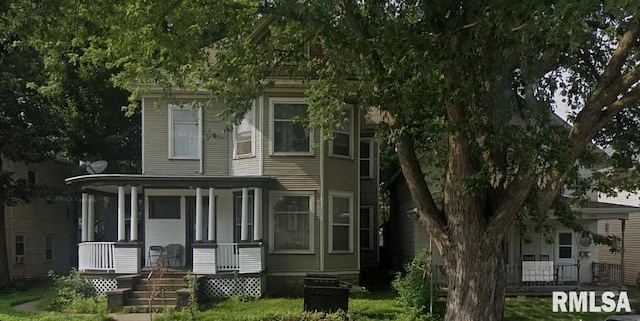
{"x":9,"y":299}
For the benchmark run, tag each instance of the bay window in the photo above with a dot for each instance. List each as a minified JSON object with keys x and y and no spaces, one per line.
{"x":292,"y":222}
{"x":341,"y":144}
{"x":341,"y":221}
{"x":289,"y":135}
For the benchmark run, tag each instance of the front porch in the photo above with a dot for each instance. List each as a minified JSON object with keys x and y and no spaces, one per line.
{"x":540,"y":278}
{"x":208,"y":225}
{"x":209,"y":258}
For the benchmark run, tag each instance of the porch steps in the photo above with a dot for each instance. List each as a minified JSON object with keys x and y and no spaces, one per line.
{"x":164,"y":291}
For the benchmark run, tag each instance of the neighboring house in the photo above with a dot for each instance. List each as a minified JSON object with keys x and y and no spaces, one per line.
{"x":631,"y":245}
{"x":560,"y":259}
{"x":266,"y":204}
{"x":39,"y":234}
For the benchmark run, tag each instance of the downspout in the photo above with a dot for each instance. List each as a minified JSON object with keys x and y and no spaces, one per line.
{"x":321,"y":202}
{"x":201,"y":133}
{"x":261,"y":111}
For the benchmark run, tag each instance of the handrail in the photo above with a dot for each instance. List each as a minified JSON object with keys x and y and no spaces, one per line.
{"x":158,"y":270}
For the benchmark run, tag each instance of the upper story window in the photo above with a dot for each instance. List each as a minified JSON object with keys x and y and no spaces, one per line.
{"x":243,"y":136}
{"x":366,"y":158}
{"x":185,"y":126}
{"x":289,"y":135}
{"x":341,"y":143}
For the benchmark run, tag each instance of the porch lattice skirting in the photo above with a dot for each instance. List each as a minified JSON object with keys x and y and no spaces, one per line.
{"x":103,"y":285}
{"x":228,"y":287}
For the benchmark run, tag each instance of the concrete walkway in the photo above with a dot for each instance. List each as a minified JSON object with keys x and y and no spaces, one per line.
{"x":33,"y":307}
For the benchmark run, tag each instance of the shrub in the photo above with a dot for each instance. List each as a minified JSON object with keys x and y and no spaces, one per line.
{"x":72,"y":290}
{"x":412,"y":284}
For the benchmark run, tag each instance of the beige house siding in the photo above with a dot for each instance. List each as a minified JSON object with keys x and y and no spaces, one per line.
{"x":38,"y":219}
{"x":631,"y":245}
{"x":156,"y":140}
{"x":341,"y":176}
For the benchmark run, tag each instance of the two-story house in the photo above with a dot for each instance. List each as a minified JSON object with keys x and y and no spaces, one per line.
{"x":266,"y":203}
{"x":39,"y":234}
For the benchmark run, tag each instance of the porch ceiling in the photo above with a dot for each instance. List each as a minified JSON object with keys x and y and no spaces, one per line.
{"x":109,"y":183}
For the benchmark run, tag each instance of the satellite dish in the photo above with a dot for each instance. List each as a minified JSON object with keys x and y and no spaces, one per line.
{"x":96,"y":167}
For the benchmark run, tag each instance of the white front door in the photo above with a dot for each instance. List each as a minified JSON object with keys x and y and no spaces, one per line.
{"x":565,"y":256}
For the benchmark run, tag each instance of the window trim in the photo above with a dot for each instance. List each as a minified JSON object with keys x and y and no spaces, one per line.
{"x":371,"y":147}
{"x":19,"y":259}
{"x":45,"y":247}
{"x":312,"y":209}
{"x":170,"y":123}
{"x":371,"y":228}
{"x":252,"y":110}
{"x":350,"y":132}
{"x":340,"y":194}
{"x":283,"y":100}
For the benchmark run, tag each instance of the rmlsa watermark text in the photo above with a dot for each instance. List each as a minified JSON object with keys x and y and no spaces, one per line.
{"x":589,"y":301}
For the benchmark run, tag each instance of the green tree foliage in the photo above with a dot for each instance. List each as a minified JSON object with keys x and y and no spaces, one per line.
{"x":54,"y":105}
{"x":467,"y":85}
{"x":28,"y":126}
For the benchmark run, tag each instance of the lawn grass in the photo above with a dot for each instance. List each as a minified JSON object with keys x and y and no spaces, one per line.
{"x":379,"y":306}
{"x":11,"y":298}
{"x":362,"y":307}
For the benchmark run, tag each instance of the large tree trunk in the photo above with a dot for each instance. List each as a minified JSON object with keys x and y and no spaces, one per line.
{"x":476,"y":280}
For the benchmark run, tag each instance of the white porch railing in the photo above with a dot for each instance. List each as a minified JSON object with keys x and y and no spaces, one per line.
{"x":97,"y":256}
{"x":227,"y":257}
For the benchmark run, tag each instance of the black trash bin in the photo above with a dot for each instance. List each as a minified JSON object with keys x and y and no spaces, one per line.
{"x":324,"y":293}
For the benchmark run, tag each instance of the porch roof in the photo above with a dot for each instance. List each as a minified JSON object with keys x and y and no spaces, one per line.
{"x":110,"y":182}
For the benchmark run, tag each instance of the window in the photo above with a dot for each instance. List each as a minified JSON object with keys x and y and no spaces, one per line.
{"x":164,"y":207}
{"x":31,"y":177}
{"x":341,"y":143}
{"x":292,"y":221}
{"x":366,"y":228}
{"x":237,"y":206}
{"x":366,"y":158}
{"x":505,"y":251}
{"x":48,"y":247}
{"x":243,"y":136}
{"x":289,"y":135}
{"x":19,"y":249}
{"x":341,"y":220}
{"x":184,"y":132}
{"x":565,"y":245}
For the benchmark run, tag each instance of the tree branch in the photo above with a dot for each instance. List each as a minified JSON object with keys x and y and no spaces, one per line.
{"x":419,"y":190}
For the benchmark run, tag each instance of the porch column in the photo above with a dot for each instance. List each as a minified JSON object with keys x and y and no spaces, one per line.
{"x":134,"y":214}
{"x":91,"y":219}
{"x":244,"y":232}
{"x":121,"y":219}
{"x":199,"y":214}
{"x":257,"y":214}
{"x":211,"y":235}
{"x":85,"y":216}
